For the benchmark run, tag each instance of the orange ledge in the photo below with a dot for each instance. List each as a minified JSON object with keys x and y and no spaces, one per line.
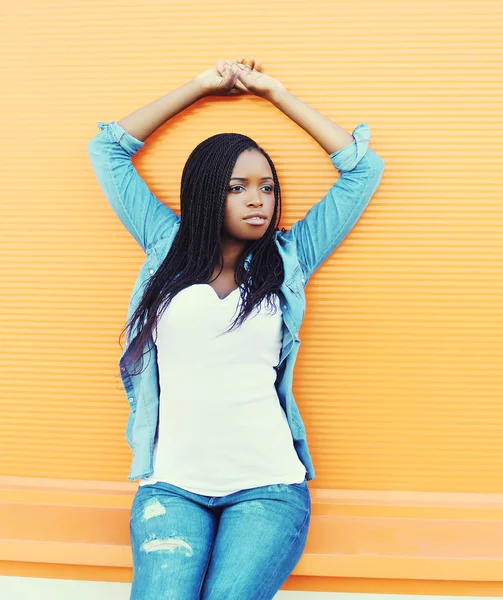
{"x":353,"y":534}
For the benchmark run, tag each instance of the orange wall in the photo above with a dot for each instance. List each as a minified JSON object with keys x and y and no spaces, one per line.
{"x":399,"y":375}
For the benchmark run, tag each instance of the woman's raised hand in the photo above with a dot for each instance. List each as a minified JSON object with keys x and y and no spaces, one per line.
{"x":219,"y":80}
{"x":252,"y":79}
{"x":242,"y":76}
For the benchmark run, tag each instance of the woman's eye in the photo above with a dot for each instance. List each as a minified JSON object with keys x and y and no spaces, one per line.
{"x":231,"y":189}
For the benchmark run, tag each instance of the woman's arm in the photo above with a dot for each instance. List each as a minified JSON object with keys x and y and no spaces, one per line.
{"x":143,"y":122}
{"x":328,"y":221}
{"x":331,"y":219}
{"x":111,"y":151}
{"x":215,"y":81}
{"x":328,"y":134}
{"x":144,"y":216}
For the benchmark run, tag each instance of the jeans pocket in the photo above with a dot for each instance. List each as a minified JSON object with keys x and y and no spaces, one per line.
{"x":303,"y":488}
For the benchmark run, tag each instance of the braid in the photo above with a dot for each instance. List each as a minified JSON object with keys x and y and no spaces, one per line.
{"x":197,"y":246}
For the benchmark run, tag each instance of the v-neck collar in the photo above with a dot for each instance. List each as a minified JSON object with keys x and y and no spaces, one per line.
{"x":217,"y":296}
{"x":246,"y":263}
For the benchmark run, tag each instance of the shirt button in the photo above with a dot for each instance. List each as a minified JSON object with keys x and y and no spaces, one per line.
{"x":284,"y":306}
{"x":151,"y":271}
{"x":130,"y":399}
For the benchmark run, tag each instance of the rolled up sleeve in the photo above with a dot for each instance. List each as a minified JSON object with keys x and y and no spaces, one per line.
{"x":329,"y":221}
{"x":144,"y":216}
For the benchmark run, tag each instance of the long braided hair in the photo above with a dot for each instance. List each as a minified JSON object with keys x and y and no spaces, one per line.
{"x":197,"y":245}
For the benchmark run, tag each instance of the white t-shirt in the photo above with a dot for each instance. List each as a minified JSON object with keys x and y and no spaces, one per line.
{"x":221,"y":426}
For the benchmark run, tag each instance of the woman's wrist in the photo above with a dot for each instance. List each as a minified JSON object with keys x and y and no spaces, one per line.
{"x":274,"y":95}
{"x":198,"y":86}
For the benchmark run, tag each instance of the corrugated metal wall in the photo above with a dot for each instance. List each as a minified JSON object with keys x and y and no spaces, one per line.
{"x":399,"y":377}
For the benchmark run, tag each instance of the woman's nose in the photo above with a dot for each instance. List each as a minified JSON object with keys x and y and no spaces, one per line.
{"x":255,"y":199}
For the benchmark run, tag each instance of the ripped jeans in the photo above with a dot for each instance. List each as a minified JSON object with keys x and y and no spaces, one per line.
{"x":242,"y":546}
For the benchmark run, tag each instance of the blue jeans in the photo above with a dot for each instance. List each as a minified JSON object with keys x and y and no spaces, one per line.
{"x":242,"y":546}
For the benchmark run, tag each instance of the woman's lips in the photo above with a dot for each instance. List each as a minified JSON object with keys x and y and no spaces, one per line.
{"x":255,"y":221}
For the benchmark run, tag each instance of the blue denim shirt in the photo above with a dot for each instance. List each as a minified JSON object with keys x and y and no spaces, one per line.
{"x":303,"y":249}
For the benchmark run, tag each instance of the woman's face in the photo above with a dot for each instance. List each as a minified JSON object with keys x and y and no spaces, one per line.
{"x":251,"y":188}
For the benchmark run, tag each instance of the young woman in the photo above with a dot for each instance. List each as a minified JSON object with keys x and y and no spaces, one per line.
{"x":222,"y":509}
